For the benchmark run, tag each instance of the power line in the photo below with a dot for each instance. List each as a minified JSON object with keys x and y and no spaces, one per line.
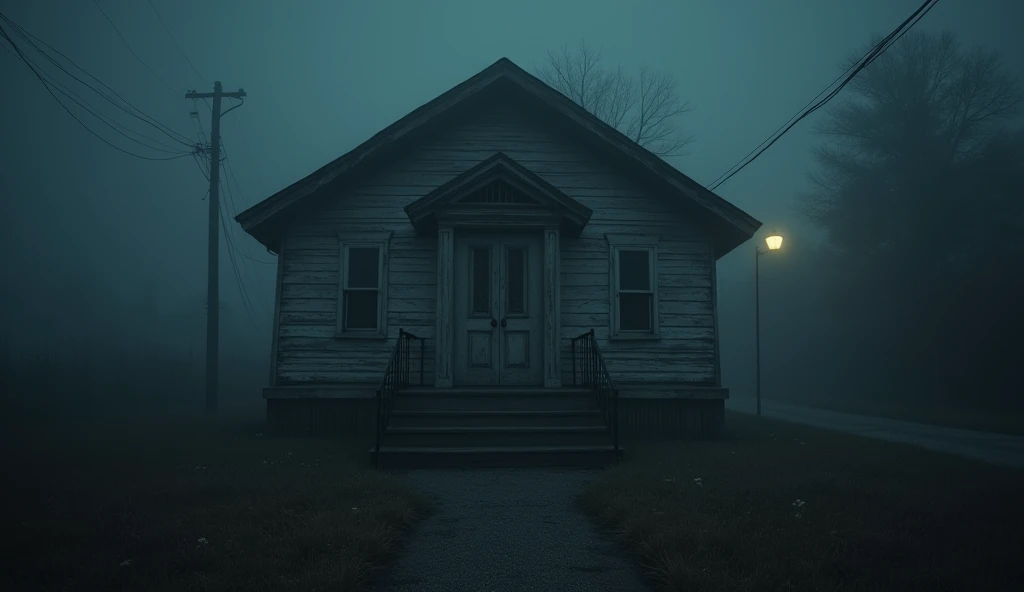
{"x":201,"y":134}
{"x":250,"y":311}
{"x":138,"y":113}
{"x":173,"y":40}
{"x":202,"y":168}
{"x":851,"y":73}
{"x":123,"y":40}
{"x":110,"y":122}
{"x":197,"y":121}
{"x":232,"y":210}
{"x":46,"y":85}
{"x":248,"y":149}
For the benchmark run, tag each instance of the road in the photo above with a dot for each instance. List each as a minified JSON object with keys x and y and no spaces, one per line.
{"x":997,"y":449}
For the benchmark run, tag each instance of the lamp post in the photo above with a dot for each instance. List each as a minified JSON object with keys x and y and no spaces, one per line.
{"x":774,"y":242}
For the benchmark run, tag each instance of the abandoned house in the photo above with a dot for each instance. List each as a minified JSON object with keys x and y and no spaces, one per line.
{"x":497,"y":275}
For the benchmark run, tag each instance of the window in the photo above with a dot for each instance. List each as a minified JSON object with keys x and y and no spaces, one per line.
{"x":633,"y":286}
{"x":362,"y":290}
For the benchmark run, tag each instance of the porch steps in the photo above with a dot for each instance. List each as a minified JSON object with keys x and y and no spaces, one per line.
{"x":552,"y":418}
{"x":590,"y":457}
{"x":495,"y":399}
{"x":496,"y":427}
{"x":497,"y":436}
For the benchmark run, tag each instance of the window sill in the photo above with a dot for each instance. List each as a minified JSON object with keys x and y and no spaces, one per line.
{"x":635,"y":337}
{"x":362,"y":336}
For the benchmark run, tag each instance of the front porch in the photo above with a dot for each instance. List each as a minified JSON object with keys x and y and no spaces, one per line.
{"x":646,"y":412}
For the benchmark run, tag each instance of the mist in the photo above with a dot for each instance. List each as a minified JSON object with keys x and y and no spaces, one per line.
{"x":106,"y":253}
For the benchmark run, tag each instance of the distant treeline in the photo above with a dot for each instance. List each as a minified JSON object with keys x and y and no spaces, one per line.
{"x":917,"y":293}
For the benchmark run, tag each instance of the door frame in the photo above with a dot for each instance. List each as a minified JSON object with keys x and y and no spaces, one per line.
{"x":499,"y":219}
{"x":471,"y":324}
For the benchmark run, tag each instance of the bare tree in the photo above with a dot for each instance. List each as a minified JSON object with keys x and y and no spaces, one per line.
{"x":644,"y":108}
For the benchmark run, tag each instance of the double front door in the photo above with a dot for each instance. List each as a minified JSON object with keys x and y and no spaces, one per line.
{"x":498,"y":288}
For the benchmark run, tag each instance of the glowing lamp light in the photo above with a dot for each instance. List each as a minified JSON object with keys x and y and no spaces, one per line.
{"x":774,"y":241}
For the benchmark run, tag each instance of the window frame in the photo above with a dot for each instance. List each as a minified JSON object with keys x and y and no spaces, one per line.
{"x":355,"y":240}
{"x":616,"y":244}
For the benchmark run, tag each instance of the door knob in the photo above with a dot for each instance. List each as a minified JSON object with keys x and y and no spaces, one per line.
{"x":503,"y":323}
{"x":494,"y":323}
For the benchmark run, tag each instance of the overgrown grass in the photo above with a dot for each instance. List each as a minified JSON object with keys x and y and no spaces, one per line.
{"x":188,"y":504}
{"x":777,"y":506}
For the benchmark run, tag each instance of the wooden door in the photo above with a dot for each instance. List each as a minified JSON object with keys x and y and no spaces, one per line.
{"x":521,"y":289}
{"x":498,"y":309}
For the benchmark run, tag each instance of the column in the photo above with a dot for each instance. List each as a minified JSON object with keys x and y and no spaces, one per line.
{"x":445,"y":308}
{"x":552,"y":308}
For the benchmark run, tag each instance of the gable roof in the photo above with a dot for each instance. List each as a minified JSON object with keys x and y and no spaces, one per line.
{"x":499,"y":168}
{"x":733,"y":226}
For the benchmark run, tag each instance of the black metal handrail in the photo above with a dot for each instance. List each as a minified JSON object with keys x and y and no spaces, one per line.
{"x":396,"y":376}
{"x":586,"y":354}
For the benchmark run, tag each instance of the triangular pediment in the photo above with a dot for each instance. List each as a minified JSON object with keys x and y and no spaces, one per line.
{"x":729,"y":226}
{"x":498,"y":183}
{"x":498,"y":192}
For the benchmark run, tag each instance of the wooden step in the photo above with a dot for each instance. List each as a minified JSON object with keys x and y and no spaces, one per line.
{"x":495,"y":399}
{"x":495,"y":436}
{"x":474,"y":391}
{"x":478,"y":457}
{"x":515,"y":418}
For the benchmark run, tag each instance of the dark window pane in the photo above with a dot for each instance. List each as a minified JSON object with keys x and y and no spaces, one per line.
{"x":515,"y":266}
{"x":361,"y":309}
{"x":635,"y":312}
{"x":482,"y":281}
{"x":634,"y":270}
{"x":363,"y":265}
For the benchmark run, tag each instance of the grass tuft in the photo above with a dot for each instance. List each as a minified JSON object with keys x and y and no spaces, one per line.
{"x":197,"y":505}
{"x":779,"y":506}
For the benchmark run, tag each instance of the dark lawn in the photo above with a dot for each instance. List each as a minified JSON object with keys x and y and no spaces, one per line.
{"x":776,"y":506}
{"x":190,"y":504}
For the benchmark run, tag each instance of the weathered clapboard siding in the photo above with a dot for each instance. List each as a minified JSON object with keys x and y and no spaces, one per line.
{"x":308,"y":350}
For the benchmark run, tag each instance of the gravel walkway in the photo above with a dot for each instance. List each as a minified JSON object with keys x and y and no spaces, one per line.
{"x":507,"y":529}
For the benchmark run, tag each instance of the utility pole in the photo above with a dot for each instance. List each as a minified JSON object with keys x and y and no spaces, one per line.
{"x":212,"y":276}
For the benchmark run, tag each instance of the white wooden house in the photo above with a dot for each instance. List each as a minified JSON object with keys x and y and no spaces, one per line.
{"x":492,"y":226}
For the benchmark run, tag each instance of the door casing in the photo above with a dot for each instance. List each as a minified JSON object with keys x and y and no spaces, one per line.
{"x":499,"y":319}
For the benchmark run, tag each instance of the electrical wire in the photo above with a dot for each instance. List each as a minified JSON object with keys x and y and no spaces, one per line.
{"x":198,"y":123}
{"x":250,"y":311}
{"x":199,"y":163}
{"x":125,"y":42}
{"x":175,"y":41}
{"x":112,"y":123}
{"x":5,"y":35}
{"x":241,"y":101}
{"x":138,"y":113}
{"x":232,"y":211}
{"x":233,"y":206}
{"x":850,"y":74}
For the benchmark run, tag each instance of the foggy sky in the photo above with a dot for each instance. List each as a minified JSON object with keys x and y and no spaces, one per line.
{"x":324,"y":76}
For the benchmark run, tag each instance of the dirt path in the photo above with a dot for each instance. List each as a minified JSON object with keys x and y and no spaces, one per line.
{"x":508,"y":529}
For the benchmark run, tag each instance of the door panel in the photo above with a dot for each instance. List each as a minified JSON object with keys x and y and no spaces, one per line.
{"x":498,"y":313}
{"x":521,"y":355}
{"x":476,"y":309}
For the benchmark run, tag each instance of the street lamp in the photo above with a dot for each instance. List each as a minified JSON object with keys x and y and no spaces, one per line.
{"x":774,"y":242}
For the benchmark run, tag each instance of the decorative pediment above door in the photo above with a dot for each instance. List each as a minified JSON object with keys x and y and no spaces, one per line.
{"x":498,"y":192}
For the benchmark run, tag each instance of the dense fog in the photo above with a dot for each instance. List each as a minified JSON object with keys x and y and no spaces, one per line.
{"x":900,"y":202}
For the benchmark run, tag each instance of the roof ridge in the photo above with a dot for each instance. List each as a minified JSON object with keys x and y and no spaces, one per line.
{"x":257,"y":220}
